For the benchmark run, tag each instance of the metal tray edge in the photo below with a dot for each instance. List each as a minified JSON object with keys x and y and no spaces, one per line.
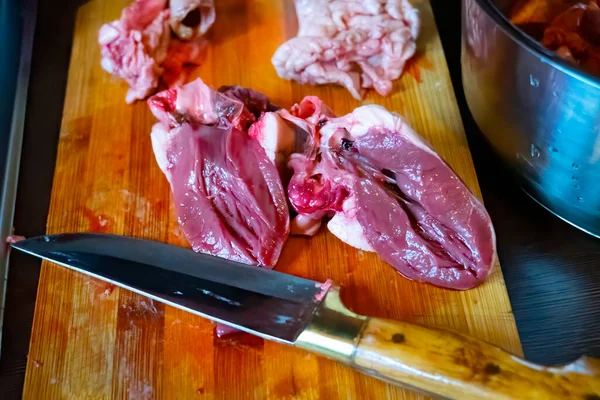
{"x":15,"y":144}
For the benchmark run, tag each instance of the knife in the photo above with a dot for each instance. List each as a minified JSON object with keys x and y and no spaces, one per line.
{"x":310,"y":315}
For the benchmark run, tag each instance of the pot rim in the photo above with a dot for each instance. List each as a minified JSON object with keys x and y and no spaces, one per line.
{"x":533,"y":46}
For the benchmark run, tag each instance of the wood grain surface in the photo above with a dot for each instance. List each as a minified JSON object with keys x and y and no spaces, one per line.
{"x":91,"y":340}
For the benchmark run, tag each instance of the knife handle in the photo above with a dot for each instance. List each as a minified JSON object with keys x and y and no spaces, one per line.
{"x":457,"y":366}
{"x":438,"y":361}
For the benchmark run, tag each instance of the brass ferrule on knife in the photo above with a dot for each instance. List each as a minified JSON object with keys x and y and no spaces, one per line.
{"x":334,"y":330}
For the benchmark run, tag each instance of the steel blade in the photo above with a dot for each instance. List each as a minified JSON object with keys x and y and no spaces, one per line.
{"x":267,"y":303}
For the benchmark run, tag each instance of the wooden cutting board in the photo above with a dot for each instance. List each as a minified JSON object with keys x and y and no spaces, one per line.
{"x":91,"y":340}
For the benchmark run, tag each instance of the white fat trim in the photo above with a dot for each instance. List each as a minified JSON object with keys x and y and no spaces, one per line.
{"x":160,"y":144}
{"x":348,"y":231}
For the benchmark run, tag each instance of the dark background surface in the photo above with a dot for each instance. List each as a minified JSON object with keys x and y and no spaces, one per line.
{"x":9,"y":64}
{"x":551,"y":269}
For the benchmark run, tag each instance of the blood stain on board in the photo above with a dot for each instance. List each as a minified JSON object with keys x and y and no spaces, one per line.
{"x":416,"y":64}
{"x":97,"y":222}
{"x":105,"y":207}
{"x":109,"y":289}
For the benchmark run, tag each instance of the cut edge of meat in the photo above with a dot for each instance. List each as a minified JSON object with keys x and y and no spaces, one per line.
{"x":337,"y":137}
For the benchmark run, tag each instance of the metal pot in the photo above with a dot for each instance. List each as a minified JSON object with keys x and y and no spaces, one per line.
{"x":539,"y":113}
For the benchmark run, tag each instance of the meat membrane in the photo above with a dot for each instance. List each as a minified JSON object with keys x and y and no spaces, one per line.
{"x":139,"y":49}
{"x":387,"y":191}
{"x":191,"y":18}
{"x":356,"y":44}
{"x":229,"y":197}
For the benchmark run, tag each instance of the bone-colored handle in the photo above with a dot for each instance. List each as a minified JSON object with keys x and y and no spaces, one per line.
{"x":457,"y":366}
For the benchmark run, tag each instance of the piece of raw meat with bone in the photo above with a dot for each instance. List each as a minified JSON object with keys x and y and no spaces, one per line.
{"x":356,"y":44}
{"x":381,"y":186}
{"x":388,"y":191}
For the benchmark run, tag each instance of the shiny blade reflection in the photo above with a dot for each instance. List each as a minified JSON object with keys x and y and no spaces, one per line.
{"x":263,"y":302}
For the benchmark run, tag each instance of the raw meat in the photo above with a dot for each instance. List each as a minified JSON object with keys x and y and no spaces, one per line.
{"x":12,"y":239}
{"x":383,"y":188}
{"x":139,"y":48}
{"x":134,"y":46}
{"x":325,"y":286}
{"x":570,"y":28}
{"x":191,"y":18}
{"x":356,"y":44}
{"x":230,"y":200}
{"x":318,"y":187}
{"x":389,"y":192}
{"x":256,"y":103}
{"x":575,"y":35}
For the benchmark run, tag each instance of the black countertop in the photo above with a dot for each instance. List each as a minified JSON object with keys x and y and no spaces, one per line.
{"x":552,"y":270}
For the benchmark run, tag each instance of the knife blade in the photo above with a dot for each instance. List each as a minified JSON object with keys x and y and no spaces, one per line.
{"x":271,"y":305}
{"x":310,"y":315}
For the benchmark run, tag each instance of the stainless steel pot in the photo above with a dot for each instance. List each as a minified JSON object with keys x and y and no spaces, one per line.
{"x":538,"y":112}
